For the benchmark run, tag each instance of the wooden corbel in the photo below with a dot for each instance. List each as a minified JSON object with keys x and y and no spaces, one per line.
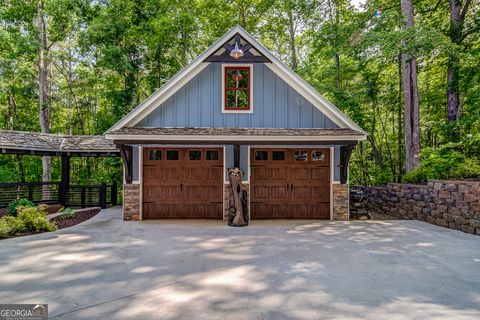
{"x":345,"y":154}
{"x":126,"y":153}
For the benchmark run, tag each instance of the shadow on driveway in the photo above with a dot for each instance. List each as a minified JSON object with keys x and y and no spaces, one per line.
{"x":106,"y":268}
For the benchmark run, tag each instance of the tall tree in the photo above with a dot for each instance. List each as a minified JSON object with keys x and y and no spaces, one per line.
{"x":44,"y":115}
{"x":457,"y":33}
{"x":410,"y":95}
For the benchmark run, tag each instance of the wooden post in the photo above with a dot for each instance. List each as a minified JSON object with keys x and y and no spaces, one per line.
{"x":30,"y":192}
{"x":113,"y":194}
{"x":64,"y":180}
{"x":102,"y":196}
{"x":82,"y":199}
{"x":236,"y":156}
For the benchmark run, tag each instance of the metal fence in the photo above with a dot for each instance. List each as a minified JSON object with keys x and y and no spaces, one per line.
{"x":82,"y":196}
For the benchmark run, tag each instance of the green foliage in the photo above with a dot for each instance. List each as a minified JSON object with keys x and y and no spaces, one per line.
{"x":446,"y":162}
{"x":12,"y":209}
{"x":11,"y":225}
{"x":67,"y":213}
{"x":29,"y":219}
{"x":105,"y":57}
{"x":35,"y":219}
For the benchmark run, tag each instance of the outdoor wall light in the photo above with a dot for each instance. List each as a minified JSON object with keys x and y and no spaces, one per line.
{"x":236,"y":53}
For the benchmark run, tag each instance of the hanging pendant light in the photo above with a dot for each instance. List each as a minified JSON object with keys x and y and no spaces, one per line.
{"x":236,"y":75}
{"x":236,"y":53}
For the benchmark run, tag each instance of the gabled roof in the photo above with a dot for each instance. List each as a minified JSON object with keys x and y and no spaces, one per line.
{"x":197,"y":65}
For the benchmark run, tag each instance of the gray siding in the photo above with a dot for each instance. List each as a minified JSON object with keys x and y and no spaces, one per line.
{"x":135,"y":163}
{"x":336,"y":163}
{"x":275,"y":105}
{"x":229,"y":160}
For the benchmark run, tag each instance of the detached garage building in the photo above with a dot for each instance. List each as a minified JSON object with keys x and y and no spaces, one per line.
{"x":236,"y":105}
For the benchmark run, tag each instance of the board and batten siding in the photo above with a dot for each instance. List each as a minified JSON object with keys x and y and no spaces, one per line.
{"x":275,"y":105}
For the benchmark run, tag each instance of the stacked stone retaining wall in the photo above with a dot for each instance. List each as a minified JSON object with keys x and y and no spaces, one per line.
{"x":451,"y":204}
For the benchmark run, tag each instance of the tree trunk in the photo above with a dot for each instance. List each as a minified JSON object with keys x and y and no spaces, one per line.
{"x":337,"y":70}
{"x":336,"y":56}
{"x":456,"y":33}
{"x":410,"y":97}
{"x":400,"y":121}
{"x":44,"y":116}
{"x":291,"y":31}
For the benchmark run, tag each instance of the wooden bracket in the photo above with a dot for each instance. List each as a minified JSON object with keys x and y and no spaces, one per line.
{"x":247,"y":57}
{"x":345,"y":154}
{"x":126,"y":152}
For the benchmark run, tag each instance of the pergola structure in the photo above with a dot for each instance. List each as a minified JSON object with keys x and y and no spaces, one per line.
{"x":64,"y":146}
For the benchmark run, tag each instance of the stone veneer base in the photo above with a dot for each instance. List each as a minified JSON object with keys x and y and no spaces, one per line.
{"x":131,"y":202}
{"x":340,"y":202}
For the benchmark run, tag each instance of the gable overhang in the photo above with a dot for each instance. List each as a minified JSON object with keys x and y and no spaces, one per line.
{"x":198,"y":64}
{"x":220,"y":139}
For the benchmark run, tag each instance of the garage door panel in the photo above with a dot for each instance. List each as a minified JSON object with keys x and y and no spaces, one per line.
{"x":155,"y":174}
{"x":163,"y":210}
{"x":321,"y":210}
{"x":269,"y":192}
{"x":296,"y":186}
{"x":154,"y":193}
{"x":280,"y":211}
{"x":278,"y":192}
{"x":301,"y":173}
{"x":320,"y":173}
{"x":262,"y":210}
{"x":188,"y":185}
{"x":261,"y":173}
{"x":202,"y":173}
{"x":260,"y":192}
{"x":201,"y":193}
{"x":321,"y":194}
{"x":279,"y":173}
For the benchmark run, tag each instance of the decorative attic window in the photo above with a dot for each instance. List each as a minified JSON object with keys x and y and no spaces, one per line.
{"x":237,"y":88}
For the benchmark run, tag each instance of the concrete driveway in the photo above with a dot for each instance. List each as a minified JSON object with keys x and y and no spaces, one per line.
{"x":109,"y":269}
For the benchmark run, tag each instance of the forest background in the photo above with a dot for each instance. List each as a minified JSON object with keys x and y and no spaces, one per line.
{"x":78,"y":66}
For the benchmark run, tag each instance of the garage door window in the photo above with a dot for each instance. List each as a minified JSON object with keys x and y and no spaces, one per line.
{"x":261,"y":155}
{"x":301,"y":155}
{"x":211,"y":155}
{"x":155,"y":155}
{"x":318,"y":156}
{"x":278,"y":155}
{"x":172,"y":155}
{"x":194,"y":155}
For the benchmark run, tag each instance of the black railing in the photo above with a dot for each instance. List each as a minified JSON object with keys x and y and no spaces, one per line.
{"x":102,"y":195}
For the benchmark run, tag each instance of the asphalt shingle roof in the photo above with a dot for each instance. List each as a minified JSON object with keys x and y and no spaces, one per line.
{"x":236,"y":131}
{"x":35,"y":141}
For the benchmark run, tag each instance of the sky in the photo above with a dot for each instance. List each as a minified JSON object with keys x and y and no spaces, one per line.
{"x":358,"y":3}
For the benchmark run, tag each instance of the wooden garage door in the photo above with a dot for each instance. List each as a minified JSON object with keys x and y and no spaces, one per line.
{"x":182,"y":183}
{"x":290,"y":183}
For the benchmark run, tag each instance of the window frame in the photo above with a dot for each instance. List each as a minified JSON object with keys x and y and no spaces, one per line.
{"x":226,"y":67}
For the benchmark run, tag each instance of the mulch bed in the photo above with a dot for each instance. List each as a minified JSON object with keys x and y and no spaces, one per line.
{"x":80,"y":216}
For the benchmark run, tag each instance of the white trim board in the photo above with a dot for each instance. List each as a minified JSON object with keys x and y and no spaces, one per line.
{"x":233,"y":138}
{"x":197,"y":65}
